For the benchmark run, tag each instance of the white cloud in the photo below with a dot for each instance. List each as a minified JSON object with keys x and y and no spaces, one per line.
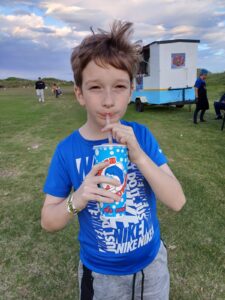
{"x":15,"y":20}
{"x":203,"y":47}
{"x":220,"y":52}
{"x":215,"y":37}
{"x":32,"y":27}
{"x":17,"y":26}
{"x":183,"y":30}
{"x":221,"y":24}
{"x":78,"y":16}
{"x":55,"y":27}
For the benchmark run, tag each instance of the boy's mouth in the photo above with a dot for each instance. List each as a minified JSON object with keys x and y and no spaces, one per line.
{"x":104,"y":116}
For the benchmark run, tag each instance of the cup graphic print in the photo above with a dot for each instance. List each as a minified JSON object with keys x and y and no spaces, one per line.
{"x":117,"y":155}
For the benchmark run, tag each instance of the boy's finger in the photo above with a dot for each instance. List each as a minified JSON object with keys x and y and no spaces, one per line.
{"x":98,"y":167}
{"x":106,"y":128}
{"x":108,"y":198}
{"x":101,"y":194}
{"x":107,"y":195}
{"x":104,"y":179}
{"x":110,"y":126}
{"x":100,"y":198}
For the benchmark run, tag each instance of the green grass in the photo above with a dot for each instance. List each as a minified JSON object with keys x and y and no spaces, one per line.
{"x":39,"y":265}
{"x":13,"y":82}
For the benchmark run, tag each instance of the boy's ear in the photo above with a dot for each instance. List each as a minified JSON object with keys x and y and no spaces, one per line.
{"x":79,"y":95}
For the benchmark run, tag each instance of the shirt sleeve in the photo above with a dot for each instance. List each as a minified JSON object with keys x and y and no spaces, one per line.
{"x":198,"y":83}
{"x":152,"y":148}
{"x":58,"y":182}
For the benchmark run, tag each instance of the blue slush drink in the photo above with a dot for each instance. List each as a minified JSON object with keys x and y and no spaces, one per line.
{"x":117,"y":155}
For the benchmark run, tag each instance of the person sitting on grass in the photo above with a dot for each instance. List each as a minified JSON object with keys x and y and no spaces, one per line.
{"x":124,"y":258}
{"x":219,"y":105}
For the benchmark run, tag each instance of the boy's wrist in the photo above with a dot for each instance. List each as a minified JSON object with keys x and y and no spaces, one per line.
{"x":141,"y":158}
{"x":72,"y":208}
{"x":144,"y":163}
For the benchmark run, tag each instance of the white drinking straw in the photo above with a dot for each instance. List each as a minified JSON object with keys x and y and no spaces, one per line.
{"x":109,"y":134}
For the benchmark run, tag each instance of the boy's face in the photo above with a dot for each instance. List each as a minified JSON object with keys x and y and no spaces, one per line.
{"x":105,"y":90}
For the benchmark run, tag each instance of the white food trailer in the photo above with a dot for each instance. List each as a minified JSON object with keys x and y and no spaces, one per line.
{"x":166,"y":74}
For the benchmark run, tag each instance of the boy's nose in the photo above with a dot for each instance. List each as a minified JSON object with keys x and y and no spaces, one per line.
{"x":108,"y":99}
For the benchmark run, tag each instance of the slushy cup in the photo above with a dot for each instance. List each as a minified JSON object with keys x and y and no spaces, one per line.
{"x":117,"y":155}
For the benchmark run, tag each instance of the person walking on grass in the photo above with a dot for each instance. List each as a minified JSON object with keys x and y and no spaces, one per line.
{"x":202,"y":103}
{"x":40,"y":87}
{"x":125,"y":258}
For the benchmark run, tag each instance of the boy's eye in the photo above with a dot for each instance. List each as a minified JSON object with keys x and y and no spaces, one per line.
{"x":94,"y":87}
{"x":120,"y":86}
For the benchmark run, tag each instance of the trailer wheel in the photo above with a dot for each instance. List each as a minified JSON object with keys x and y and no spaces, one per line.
{"x":139,"y":105}
{"x":179,"y":105}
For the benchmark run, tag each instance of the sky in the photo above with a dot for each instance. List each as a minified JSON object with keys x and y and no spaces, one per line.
{"x":37,"y":37}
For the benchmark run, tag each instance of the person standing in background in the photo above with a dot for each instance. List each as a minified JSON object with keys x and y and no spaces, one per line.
{"x":40,"y":86}
{"x":202,"y":103}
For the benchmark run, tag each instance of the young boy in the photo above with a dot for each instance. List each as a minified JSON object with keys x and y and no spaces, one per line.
{"x":125,"y":258}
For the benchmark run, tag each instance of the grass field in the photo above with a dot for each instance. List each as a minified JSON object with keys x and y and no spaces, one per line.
{"x":39,"y":265}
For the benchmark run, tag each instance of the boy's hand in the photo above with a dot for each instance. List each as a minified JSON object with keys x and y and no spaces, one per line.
{"x":89,"y":189}
{"x":125,"y":135}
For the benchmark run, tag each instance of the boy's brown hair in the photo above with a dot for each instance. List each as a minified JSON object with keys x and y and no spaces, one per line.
{"x":107,"y":48}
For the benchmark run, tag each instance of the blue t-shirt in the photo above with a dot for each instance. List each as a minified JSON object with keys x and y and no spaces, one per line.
{"x":117,"y":247}
{"x":200,"y":84}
